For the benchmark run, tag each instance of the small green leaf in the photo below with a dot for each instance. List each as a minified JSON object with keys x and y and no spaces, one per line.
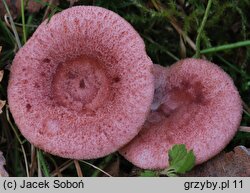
{"x":148,"y":173}
{"x":187,"y":164}
{"x":176,"y":154}
{"x":180,"y":160}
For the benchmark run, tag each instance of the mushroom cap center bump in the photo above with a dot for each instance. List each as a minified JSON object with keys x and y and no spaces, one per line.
{"x":80,"y":84}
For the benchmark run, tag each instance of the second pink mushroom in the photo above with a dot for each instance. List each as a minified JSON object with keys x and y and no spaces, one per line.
{"x":196,"y":104}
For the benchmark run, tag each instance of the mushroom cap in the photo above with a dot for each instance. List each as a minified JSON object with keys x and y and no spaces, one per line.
{"x":201,"y":109}
{"x":82,"y":86}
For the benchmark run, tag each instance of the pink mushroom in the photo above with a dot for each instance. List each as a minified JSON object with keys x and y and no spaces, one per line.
{"x":82,"y":86}
{"x":200,"y":107}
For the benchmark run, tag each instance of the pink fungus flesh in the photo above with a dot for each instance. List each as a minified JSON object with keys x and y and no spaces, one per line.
{"x":201,"y":108}
{"x":82,"y":86}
